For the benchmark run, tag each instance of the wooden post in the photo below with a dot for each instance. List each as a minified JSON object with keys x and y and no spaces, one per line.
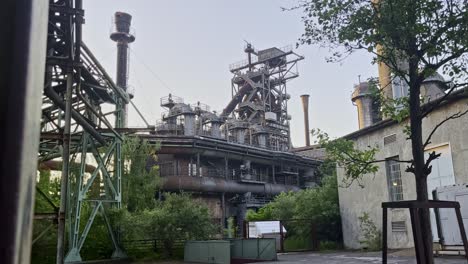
{"x":462,"y":230}
{"x":246,"y":227}
{"x":281,"y":236}
{"x":384,"y":236}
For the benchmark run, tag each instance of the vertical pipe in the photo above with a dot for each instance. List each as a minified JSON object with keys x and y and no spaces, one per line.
{"x":123,"y":37}
{"x":273,"y":173}
{"x":198,"y":165}
{"x":226,"y":168}
{"x":223,"y":210}
{"x":305,"y":108}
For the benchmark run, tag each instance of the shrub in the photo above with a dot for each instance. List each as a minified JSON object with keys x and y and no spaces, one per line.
{"x":371,"y":236}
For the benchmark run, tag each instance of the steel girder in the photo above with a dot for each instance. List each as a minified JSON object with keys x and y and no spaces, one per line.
{"x":72,"y":127}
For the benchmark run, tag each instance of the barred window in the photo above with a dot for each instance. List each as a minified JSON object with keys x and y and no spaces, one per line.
{"x":395,"y":185}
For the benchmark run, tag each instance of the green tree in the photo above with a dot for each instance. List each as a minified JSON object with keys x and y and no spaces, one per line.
{"x":140,"y":177}
{"x":177,"y":217}
{"x":413,"y":39}
{"x":319,"y":204}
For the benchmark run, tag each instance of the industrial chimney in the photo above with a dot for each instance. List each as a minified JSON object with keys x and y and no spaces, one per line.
{"x":123,"y":37}
{"x":305,"y":108}
{"x":368,"y":107}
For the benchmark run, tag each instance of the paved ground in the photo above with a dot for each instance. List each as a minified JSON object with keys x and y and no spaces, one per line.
{"x":354,"y":258}
{"x":343,"y":258}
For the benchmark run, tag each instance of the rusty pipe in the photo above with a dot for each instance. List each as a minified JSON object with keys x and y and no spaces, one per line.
{"x":220,"y":185}
{"x":305,"y":108}
{"x":56,"y":165}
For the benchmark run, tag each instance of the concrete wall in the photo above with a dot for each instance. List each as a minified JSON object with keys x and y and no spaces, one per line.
{"x":355,"y":200}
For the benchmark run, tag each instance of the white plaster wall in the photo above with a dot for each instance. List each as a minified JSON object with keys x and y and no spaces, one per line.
{"x":354,"y":200}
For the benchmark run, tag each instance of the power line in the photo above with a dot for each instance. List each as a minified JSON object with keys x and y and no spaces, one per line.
{"x":150,"y":70}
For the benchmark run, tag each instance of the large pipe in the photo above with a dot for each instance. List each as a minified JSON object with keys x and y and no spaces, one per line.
{"x":236,"y":99}
{"x":56,"y":165}
{"x":305,"y":108}
{"x":123,"y":37}
{"x":219,"y":185}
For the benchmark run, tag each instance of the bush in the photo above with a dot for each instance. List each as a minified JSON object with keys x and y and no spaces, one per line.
{"x":371,"y":236}
{"x":319,"y":204}
{"x":177,"y":217}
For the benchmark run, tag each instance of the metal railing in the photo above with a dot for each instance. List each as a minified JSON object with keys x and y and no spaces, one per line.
{"x":201,"y":106}
{"x":171,"y":99}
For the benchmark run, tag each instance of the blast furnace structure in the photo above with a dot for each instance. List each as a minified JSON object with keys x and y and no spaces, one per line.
{"x":239,"y":158}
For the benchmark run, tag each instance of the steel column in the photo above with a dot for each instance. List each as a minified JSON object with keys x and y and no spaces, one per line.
{"x":65,"y":170}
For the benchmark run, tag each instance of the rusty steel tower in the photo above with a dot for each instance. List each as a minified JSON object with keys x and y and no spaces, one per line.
{"x":258,"y":110}
{"x":123,"y":37}
{"x":77,"y":141}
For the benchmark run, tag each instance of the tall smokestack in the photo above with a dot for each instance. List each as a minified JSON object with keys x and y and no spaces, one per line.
{"x":305,"y":108}
{"x":123,"y":37}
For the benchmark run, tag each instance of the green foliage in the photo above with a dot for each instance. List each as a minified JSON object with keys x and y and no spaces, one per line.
{"x":231,"y":229}
{"x":432,"y":32}
{"x":371,"y":236}
{"x":177,"y":217}
{"x":396,"y":109}
{"x":328,"y":245}
{"x":140,"y":178}
{"x":343,"y":152}
{"x":318,"y":205}
{"x":297,"y":242}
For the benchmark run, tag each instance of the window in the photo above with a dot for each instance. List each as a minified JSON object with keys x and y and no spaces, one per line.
{"x":389,"y":139}
{"x":395,"y":187}
{"x":399,"y":88}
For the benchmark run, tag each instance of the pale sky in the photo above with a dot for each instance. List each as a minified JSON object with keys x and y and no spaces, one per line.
{"x":185,"y":48}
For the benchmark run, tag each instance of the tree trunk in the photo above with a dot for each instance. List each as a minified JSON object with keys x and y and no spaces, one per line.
{"x":419,"y":170}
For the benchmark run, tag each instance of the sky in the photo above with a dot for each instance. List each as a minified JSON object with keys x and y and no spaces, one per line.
{"x":185,"y":48}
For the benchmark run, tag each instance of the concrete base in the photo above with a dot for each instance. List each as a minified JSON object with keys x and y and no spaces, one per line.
{"x":119,"y":254}
{"x":73,"y":256}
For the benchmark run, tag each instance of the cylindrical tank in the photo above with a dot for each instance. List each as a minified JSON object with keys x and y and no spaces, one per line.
{"x":240,"y":135}
{"x":189,"y":124}
{"x":215,"y":129}
{"x":261,"y":137}
{"x":433,"y":87}
{"x":366,"y":105}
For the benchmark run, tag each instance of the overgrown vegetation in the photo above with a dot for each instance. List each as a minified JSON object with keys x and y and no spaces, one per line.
{"x":371,"y":236}
{"x":314,"y":206}
{"x":174,"y":218}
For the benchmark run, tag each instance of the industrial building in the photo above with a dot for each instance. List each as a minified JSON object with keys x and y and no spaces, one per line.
{"x":239,"y":158}
{"x":392,"y":182}
{"x":232,"y":161}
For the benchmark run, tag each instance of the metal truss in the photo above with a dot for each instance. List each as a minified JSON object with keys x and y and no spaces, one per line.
{"x":75,"y":131}
{"x":259,"y":86}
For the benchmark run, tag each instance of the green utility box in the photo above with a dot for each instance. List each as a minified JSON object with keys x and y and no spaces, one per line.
{"x":230,"y":251}
{"x":260,"y":249}
{"x":211,"y":251}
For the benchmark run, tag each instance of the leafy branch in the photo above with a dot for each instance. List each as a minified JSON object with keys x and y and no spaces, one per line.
{"x":355,"y":162}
